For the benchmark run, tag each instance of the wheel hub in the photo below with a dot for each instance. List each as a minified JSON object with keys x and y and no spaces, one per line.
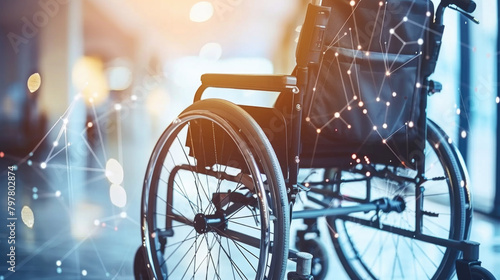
{"x":206,"y":223}
{"x":402,"y":204}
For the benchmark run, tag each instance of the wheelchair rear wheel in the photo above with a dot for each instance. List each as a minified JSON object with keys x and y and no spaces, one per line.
{"x":214,"y":202}
{"x":381,"y":245}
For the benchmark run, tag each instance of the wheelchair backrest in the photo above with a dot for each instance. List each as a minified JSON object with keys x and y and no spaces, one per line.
{"x":367,"y":90}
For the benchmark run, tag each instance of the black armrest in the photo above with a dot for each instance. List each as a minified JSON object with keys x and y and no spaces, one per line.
{"x":247,"y":82}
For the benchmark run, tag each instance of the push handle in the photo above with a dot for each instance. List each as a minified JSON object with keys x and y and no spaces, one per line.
{"x":309,"y":46}
{"x":468,"y":6}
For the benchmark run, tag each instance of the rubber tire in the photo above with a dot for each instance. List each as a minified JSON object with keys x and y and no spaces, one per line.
{"x":457,"y":197}
{"x":242,"y":124}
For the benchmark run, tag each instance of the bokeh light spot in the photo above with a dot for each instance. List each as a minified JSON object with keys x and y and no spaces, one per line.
{"x":34,"y":82}
{"x":211,"y":51}
{"x":114,"y":171}
{"x":118,"y":195}
{"x":201,"y":11}
{"x":27,"y":216}
{"x":89,"y":77}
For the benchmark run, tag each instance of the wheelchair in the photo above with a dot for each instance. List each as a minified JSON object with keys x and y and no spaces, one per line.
{"x":225,"y":181}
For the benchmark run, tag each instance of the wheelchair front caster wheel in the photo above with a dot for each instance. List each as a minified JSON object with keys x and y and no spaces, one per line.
{"x":481,"y":273}
{"x":320,"y":257}
{"x":140,"y":272}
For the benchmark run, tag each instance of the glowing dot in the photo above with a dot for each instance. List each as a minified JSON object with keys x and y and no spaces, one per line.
{"x":405,"y":19}
{"x":418,"y":85}
{"x":91,"y":100}
{"x":55,"y":144}
{"x":337,"y":54}
{"x":35,"y":196}
{"x":35,"y":189}
{"x":308,"y":119}
{"x":462,"y":183}
{"x":352,"y":3}
{"x":384,"y":141}
{"x":201,"y":11}
{"x":410,"y":124}
{"x":59,"y":270}
{"x":123,"y":215}
{"x":458,"y":111}
{"x":118,"y":107}
{"x":306,"y":185}
{"x":374,"y":127}
{"x":133,"y":97}
{"x":29,"y":162}
{"x":384,"y":126}
{"x":387,"y":73}
{"x":349,"y":126}
{"x":118,"y":195}
{"x":318,"y":130}
{"x":436,"y":146}
{"x":358,"y":160}
{"x":27,"y":216}
{"x":420,"y":41}
{"x":380,"y":3}
{"x":58,"y":263}
{"x":349,"y":108}
{"x":90,"y":124}
{"x":497,"y":99}
{"x":394,"y":94}
{"x":97,"y":222}
{"x":348,"y":72}
{"x":463,"y":134}
{"x":367,"y":53}
{"x":43,"y":165}
{"x":58,"y":193}
{"x":336,"y":235}
{"x":360,"y":103}
{"x":359,"y":47}
{"x":114,"y":171}
{"x":368,"y":174}
{"x":2,"y":154}
{"x":387,"y":103}
{"x":428,"y":14}
{"x":337,"y":115}
{"x":354,"y":156}
{"x":377,"y":99}
{"x":365,"y":111}
{"x":34,"y":82}
{"x":84,"y":272}
{"x":355,"y":97}
{"x":391,"y":31}
{"x":314,"y":88}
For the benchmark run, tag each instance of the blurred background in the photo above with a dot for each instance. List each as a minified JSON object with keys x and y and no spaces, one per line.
{"x":87,"y":86}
